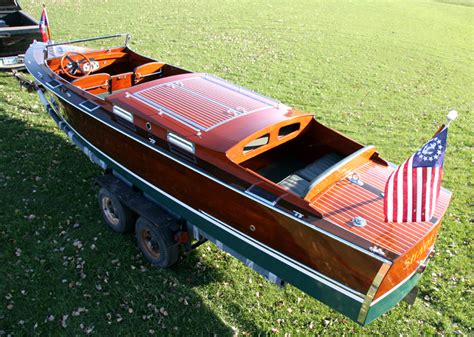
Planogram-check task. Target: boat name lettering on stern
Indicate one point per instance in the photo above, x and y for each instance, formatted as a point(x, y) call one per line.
point(417, 255)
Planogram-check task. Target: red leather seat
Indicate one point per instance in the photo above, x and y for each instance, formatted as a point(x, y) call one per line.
point(95, 83)
point(146, 70)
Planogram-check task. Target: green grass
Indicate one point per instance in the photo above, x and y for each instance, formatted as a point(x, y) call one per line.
point(384, 74)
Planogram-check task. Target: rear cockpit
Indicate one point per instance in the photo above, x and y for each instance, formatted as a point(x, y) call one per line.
point(296, 164)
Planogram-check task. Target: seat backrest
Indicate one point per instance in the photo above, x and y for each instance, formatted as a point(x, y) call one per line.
point(146, 70)
point(94, 84)
point(121, 81)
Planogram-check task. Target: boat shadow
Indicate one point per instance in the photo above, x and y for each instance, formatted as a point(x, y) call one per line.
point(49, 194)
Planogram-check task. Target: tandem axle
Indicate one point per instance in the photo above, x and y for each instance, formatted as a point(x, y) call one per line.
point(159, 231)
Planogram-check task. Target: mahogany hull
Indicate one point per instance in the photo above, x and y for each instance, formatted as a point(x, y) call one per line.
point(339, 260)
point(324, 254)
point(337, 296)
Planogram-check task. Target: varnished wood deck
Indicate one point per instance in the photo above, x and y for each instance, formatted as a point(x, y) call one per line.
point(345, 201)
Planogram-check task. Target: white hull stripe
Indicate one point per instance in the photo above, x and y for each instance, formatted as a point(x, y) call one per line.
point(393, 289)
point(401, 283)
point(289, 261)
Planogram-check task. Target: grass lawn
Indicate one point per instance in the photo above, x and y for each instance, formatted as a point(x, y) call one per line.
point(384, 74)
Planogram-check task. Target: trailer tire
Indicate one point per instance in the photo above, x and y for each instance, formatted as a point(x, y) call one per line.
point(156, 243)
point(116, 215)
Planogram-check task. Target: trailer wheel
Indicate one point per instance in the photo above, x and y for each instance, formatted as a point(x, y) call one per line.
point(116, 215)
point(156, 243)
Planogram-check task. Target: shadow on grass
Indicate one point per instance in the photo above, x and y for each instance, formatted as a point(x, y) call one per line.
point(57, 256)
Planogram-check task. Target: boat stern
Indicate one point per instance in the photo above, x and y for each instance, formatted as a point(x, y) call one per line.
point(355, 204)
point(401, 278)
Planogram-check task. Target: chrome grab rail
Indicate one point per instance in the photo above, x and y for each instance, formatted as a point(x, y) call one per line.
point(126, 35)
point(127, 39)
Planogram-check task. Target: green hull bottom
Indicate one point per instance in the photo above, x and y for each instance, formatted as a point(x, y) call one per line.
point(389, 301)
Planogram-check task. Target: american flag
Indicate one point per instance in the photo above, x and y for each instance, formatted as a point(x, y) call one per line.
point(412, 190)
point(44, 26)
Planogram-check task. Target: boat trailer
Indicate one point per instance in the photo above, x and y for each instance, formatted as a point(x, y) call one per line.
point(159, 231)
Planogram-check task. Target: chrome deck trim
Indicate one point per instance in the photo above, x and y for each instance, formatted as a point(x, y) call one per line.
point(364, 310)
point(425, 260)
point(225, 115)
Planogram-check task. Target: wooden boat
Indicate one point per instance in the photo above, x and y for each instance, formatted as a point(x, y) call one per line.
point(17, 32)
point(271, 183)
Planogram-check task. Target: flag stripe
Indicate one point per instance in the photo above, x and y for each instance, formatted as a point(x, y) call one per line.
point(400, 198)
point(419, 192)
point(434, 190)
point(44, 26)
point(414, 194)
point(409, 189)
point(428, 194)
point(413, 188)
point(438, 189)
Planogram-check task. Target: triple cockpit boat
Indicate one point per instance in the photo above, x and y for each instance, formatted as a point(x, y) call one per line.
point(303, 200)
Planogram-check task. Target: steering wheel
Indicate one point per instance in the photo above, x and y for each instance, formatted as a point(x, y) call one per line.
point(74, 65)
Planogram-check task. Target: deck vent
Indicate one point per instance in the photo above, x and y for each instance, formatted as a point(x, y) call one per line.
point(181, 143)
point(88, 105)
point(122, 113)
point(355, 179)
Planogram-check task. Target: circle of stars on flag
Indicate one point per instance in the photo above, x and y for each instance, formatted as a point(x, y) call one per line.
point(431, 151)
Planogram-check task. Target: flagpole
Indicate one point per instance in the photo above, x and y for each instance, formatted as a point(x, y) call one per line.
point(47, 22)
point(452, 115)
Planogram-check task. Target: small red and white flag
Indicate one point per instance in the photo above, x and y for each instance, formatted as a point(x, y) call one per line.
point(44, 28)
point(412, 190)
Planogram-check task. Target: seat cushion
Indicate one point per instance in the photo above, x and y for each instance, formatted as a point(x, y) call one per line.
point(296, 184)
point(147, 69)
point(316, 168)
